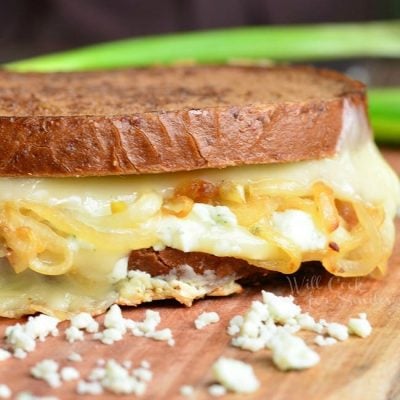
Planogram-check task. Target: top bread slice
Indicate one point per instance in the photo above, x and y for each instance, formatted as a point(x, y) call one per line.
point(169, 119)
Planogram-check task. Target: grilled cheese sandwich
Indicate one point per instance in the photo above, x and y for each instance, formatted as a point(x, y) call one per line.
point(66, 241)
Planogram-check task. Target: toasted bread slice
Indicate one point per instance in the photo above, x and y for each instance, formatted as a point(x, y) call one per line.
point(168, 119)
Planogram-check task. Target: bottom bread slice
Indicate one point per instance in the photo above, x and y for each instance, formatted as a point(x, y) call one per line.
point(171, 273)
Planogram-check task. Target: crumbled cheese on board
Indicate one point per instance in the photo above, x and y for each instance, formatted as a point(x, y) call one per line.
point(115, 320)
point(75, 357)
point(324, 341)
point(235, 375)
point(30, 396)
point(273, 322)
point(217, 390)
point(90, 388)
point(69, 374)
point(18, 338)
point(4, 355)
point(21, 338)
point(337, 331)
point(281, 308)
point(5, 391)
point(117, 326)
point(73, 334)
point(85, 321)
point(205, 319)
point(186, 390)
point(47, 370)
point(291, 352)
point(307, 322)
point(117, 378)
point(97, 373)
point(109, 336)
point(20, 354)
point(144, 374)
point(234, 325)
point(360, 326)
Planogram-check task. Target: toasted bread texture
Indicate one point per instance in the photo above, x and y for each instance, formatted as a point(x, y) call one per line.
point(168, 119)
point(162, 262)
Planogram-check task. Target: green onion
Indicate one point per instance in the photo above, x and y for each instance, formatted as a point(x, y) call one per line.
point(277, 43)
point(384, 108)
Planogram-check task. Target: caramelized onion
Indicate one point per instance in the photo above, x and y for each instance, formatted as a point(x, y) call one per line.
point(199, 190)
point(36, 236)
point(327, 214)
point(28, 239)
point(180, 206)
point(62, 220)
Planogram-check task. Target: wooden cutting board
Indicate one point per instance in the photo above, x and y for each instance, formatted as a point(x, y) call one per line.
point(356, 369)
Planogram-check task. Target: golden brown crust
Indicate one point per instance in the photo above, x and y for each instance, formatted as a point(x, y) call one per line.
point(167, 120)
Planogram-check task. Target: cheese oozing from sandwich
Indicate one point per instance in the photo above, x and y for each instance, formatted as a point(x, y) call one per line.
point(66, 241)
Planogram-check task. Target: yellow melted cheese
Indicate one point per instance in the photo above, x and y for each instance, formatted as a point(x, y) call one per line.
point(356, 173)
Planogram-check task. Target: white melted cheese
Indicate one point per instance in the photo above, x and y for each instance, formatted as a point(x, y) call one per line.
point(209, 229)
point(215, 230)
point(300, 228)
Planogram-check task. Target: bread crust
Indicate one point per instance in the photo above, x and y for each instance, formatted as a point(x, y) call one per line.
point(161, 263)
point(182, 139)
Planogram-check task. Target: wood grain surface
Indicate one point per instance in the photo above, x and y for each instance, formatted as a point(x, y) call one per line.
point(356, 369)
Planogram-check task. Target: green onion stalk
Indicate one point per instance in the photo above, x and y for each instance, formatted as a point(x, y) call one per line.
point(278, 43)
point(384, 109)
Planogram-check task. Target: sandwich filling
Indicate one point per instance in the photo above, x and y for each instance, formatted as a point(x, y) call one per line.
point(65, 242)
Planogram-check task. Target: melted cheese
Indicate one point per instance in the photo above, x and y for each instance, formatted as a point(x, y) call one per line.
point(349, 174)
point(212, 230)
point(300, 228)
